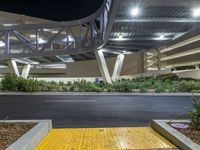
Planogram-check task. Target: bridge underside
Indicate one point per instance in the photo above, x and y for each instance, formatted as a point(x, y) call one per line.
point(164, 35)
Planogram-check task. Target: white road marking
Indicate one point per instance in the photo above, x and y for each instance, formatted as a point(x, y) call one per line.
point(70, 101)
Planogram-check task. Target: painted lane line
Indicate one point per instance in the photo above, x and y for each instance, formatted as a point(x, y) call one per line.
point(70, 101)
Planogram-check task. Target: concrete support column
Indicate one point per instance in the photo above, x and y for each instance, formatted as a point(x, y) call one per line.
point(25, 71)
point(158, 56)
point(12, 65)
point(196, 66)
point(118, 67)
point(103, 66)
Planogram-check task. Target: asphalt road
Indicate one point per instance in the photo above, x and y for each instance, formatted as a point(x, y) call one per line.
point(95, 111)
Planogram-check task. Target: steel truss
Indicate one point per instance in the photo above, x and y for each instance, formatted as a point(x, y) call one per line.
point(50, 39)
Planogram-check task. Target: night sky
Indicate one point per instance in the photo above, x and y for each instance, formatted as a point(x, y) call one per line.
point(57, 10)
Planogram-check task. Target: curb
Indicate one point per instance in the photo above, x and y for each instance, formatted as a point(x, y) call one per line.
point(98, 94)
point(173, 135)
point(33, 137)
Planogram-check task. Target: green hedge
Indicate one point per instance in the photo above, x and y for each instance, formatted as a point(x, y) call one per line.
point(164, 83)
point(195, 114)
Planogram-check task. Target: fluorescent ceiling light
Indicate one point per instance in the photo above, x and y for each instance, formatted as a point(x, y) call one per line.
point(41, 41)
point(2, 44)
point(32, 35)
point(9, 25)
point(135, 12)
point(161, 37)
point(69, 38)
point(51, 30)
point(196, 12)
point(120, 37)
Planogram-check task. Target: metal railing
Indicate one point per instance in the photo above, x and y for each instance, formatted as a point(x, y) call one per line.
point(49, 39)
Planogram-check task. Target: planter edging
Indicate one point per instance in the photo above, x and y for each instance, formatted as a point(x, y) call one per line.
point(173, 135)
point(31, 138)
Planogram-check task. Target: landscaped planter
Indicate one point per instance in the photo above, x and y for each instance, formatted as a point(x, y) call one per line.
point(180, 140)
point(30, 133)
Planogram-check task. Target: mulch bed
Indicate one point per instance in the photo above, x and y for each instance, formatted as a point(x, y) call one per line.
point(10, 132)
point(191, 133)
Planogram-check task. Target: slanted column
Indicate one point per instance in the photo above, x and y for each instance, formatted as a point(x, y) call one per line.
point(103, 66)
point(118, 66)
point(158, 59)
point(196, 66)
point(25, 71)
point(12, 65)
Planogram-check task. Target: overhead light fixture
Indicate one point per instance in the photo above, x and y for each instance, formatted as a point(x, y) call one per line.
point(120, 37)
point(135, 12)
point(54, 31)
point(68, 38)
point(32, 35)
point(161, 37)
point(196, 12)
point(41, 41)
point(51, 30)
point(2, 44)
point(9, 25)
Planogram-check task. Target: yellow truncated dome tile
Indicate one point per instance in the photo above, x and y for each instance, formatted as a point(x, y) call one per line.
point(104, 139)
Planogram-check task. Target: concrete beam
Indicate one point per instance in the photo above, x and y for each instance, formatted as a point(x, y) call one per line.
point(103, 66)
point(149, 20)
point(181, 54)
point(171, 3)
point(118, 67)
point(180, 44)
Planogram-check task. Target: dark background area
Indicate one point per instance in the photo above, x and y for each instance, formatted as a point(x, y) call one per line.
point(59, 10)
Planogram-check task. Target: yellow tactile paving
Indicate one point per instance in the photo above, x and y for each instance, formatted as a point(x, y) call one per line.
point(104, 139)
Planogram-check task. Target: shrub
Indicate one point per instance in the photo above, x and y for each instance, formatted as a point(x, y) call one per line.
point(102, 84)
point(29, 85)
point(123, 86)
point(188, 86)
point(52, 87)
point(195, 114)
point(14, 83)
point(10, 82)
point(69, 83)
point(61, 83)
point(143, 90)
point(109, 89)
point(42, 85)
point(66, 88)
point(1, 86)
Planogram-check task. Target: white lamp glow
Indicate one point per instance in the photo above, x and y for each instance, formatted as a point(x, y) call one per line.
point(135, 12)
point(196, 12)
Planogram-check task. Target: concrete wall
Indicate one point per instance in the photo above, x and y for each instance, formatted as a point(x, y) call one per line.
point(133, 64)
point(188, 74)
